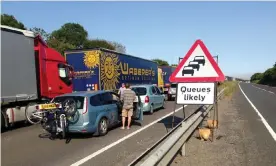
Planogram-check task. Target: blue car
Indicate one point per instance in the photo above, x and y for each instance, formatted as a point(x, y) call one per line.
point(97, 111)
point(151, 96)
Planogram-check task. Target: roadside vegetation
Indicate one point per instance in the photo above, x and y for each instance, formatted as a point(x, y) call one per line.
point(266, 78)
point(230, 86)
point(70, 36)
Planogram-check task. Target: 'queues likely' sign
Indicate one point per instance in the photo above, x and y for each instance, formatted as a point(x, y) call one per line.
point(195, 93)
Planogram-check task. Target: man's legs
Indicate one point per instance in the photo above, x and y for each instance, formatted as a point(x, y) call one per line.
point(130, 113)
point(124, 115)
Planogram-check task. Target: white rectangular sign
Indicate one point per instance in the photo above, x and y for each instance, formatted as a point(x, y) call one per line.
point(195, 93)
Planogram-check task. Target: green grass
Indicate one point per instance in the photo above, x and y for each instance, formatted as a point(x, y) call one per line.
point(230, 86)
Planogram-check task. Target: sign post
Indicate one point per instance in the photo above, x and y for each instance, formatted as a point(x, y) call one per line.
point(197, 75)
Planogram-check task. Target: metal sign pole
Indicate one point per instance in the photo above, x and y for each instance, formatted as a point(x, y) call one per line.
point(216, 103)
point(183, 108)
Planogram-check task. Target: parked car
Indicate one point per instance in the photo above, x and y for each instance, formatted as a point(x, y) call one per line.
point(151, 97)
point(98, 111)
point(172, 92)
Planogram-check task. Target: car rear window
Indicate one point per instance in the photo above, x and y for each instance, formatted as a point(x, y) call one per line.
point(140, 90)
point(173, 85)
point(78, 99)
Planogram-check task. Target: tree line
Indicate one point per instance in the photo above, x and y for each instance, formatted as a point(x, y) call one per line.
point(70, 36)
point(266, 78)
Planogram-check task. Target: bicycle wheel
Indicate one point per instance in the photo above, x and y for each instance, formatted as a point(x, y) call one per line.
point(72, 119)
point(70, 106)
point(33, 115)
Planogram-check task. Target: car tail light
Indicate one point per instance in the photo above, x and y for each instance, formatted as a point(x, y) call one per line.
point(86, 105)
point(147, 99)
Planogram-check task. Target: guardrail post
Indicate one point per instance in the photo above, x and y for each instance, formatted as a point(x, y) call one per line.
point(183, 148)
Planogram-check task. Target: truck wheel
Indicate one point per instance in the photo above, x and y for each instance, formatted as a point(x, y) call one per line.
point(29, 111)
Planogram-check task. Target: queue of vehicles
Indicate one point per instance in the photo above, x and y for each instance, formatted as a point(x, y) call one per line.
point(33, 73)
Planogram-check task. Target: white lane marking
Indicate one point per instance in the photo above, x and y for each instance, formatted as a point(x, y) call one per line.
point(263, 89)
point(121, 140)
point(268, 127)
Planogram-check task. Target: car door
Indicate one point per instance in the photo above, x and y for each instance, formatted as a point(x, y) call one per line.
point(154, 97)
point(159, 97)
point(97, 106)
point(111, 108)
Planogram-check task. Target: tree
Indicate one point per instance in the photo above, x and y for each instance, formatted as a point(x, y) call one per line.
point(119, 47)
point(59, 45)
point(256, 77)
point(71, 33)
point(10, 20)
point(274, 64)
point(174, 65)
point(161, 62)
point(41, 32)
point(98, 43)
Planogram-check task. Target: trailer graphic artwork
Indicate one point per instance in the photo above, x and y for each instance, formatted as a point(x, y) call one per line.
point(96, 69)
point(91, 59)
point(109, 71)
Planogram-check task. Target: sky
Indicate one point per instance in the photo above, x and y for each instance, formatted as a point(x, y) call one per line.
point(242, 34)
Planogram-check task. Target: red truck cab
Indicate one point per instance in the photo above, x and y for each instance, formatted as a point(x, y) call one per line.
point(55, 75)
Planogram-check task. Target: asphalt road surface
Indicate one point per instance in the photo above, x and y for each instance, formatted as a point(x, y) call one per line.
point(23, 147)
point(246, 134)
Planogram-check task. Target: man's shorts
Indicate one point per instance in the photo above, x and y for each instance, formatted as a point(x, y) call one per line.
point(127, 113)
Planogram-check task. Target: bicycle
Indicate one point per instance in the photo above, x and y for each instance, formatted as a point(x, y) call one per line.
point(54, 117)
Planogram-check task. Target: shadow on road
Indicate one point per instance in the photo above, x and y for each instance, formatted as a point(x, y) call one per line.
point(17, 125)
point(71, 136)
point(168, 122)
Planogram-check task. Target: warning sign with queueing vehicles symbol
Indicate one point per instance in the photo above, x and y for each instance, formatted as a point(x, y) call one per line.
point(196, 75)
point(194, 65)
point(197, 65)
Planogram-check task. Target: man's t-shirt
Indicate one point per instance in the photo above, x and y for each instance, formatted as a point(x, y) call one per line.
point(121, 91)
point(128, 97)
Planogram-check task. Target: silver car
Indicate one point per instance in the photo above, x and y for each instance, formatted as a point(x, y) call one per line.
point(151, 97)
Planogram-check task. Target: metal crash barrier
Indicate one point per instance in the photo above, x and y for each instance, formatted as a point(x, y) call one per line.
point(162, 152)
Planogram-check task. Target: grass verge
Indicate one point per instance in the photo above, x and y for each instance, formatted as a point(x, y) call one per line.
point(230, 86)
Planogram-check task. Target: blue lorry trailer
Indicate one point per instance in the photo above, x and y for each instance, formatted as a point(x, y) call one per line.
point(103, 69)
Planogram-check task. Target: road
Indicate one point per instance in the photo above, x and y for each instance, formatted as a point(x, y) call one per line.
point(22, 146)
point(246, 135)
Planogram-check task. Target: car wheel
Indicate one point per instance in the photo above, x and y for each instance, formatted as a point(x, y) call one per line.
point(163, 105)
point(151, 109)
point(102, 127)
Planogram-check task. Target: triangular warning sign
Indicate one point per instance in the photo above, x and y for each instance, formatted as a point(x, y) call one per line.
point(198, 65)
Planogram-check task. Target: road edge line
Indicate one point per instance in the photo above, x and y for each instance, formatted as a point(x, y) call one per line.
point(268, 127)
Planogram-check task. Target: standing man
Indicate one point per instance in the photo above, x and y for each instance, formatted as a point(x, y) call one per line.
point(128, 97)
point(121, 90)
